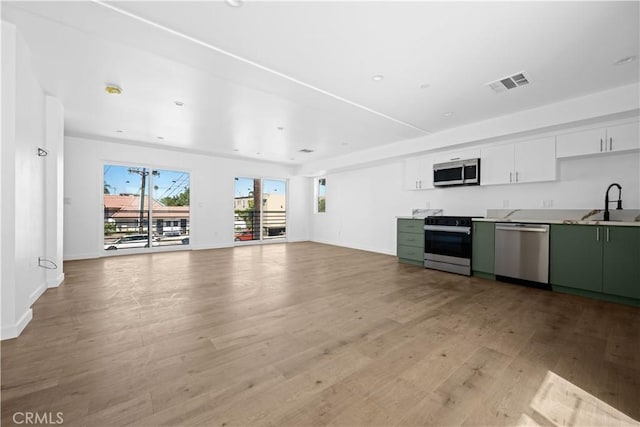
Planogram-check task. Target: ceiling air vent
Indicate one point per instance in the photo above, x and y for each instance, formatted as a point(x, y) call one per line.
point(510, 82)
point(306, 150)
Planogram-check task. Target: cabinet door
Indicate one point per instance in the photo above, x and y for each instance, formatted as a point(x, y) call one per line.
point(483, 244)
point(496, 165)
point(622, 261)
point(575, 256)
point(407, 225)
point(418, 173)
point(623, 137)
point(411, 239)
point(535, 160)
point(580, 143)
point(411, 173)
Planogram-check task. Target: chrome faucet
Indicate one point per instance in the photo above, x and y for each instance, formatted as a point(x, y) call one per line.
point(606, 200)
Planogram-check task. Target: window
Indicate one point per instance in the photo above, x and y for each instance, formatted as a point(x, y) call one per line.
point(321, 195)
point(135, 197)
point(260, 209)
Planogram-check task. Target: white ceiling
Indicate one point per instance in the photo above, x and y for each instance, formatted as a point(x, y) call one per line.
point(242, 72)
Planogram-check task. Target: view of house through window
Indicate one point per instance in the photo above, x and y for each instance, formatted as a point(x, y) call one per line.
point(260, 209)
point(135, 197)
point(321, 200)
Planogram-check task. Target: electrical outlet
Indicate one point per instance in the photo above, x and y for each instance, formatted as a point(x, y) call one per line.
point(547, 203)
point(505, 204)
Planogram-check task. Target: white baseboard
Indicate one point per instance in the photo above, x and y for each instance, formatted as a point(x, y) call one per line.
point(204, 247)
point(360, 248)
point(12, 331)
point(74, 257)
point(37, 293)
point(54, 283)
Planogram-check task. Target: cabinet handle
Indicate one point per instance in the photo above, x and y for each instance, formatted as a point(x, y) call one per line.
point(510, 176)
point(516, 176)
point(608, 235)
point(598, 234)
point(420, 184)
point(610, 144)
point(455, 158)
point(601, 145)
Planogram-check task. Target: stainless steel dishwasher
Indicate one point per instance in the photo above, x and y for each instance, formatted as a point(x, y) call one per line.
point(522, 252)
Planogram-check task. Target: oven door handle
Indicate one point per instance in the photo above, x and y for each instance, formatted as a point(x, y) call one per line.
point(448, 229)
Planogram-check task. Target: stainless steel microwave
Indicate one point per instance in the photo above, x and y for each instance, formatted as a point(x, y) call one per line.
point(458, 172)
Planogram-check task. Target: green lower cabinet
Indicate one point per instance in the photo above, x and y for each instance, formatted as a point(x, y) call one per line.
point(575, 256)
point(483, 248)
point(622, 261)
point(597, 261)
point(410, 241)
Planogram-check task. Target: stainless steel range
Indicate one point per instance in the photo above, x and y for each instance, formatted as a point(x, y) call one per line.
point(447, 244)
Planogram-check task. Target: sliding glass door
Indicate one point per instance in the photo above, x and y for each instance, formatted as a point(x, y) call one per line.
point(145, 207)
point(260, 209)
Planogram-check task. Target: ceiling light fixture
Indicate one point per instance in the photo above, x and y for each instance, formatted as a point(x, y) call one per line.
point(113, 89)
point(160, 137)
point(120, 131)
point(178, 103)
point(235, 3)
point(625, 60)
point(280, 128)
point(377, 78)
point(235, 149)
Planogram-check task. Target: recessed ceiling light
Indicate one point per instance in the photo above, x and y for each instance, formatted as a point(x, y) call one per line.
point(377, 78)
point(160, 137)
point(235, 149)
point(178, 103)
point(120, 131)
point(448, 114)
point(625, 60)
point(425, 85)
point(113, 89)
point(235, 3)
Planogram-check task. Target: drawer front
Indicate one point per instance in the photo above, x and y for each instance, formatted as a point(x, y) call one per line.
point(411, 225)
point(411, 239)
point(411, 252)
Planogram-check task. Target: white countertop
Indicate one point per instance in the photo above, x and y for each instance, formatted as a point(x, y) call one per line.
point(560, 221)
point(628, 217)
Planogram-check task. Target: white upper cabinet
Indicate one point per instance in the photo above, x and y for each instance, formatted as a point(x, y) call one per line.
point(623, 137)
point(496, 165)
point(418, 173)
point(452, 156)
point(535, 161)
point(530, 161)
point(595, 141)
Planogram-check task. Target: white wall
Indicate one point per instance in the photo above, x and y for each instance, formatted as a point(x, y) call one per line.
point(7, 187)
point(24, 199)
point(212, 192)
point(362, 204)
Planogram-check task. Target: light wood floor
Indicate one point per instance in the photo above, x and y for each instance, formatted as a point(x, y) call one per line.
point(309, 334)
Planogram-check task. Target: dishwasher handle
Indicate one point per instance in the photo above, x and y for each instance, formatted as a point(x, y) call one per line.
point(523, 227)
